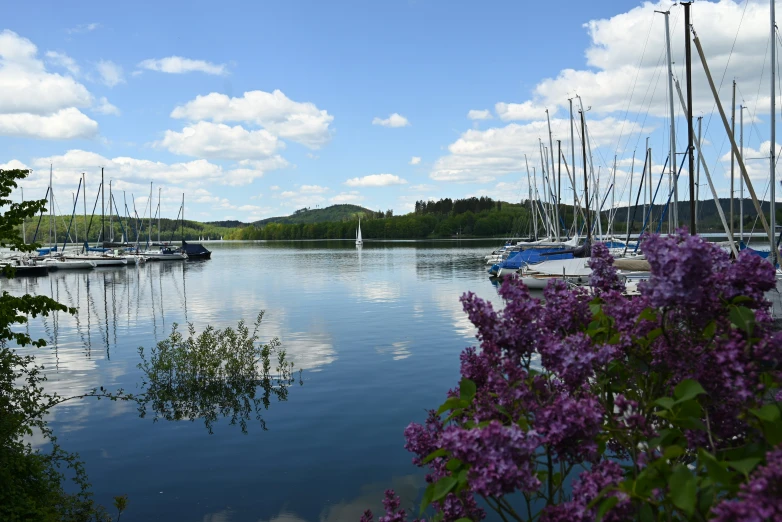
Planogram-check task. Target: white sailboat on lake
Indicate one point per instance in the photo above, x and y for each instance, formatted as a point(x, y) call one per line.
point(359, 241)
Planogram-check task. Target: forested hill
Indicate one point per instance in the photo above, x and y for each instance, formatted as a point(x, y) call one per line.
point(471, 217)
point(320, 215)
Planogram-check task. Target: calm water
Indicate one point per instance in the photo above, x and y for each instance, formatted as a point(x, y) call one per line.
point(377, 332)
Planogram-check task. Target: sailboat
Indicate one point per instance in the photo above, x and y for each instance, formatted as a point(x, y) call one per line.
point(359, 241)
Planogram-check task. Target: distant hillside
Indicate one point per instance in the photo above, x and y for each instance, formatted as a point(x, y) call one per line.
point(319, 215)
point(231, 223)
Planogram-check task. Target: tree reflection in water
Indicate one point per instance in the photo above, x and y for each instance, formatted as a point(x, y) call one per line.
point(217, 373)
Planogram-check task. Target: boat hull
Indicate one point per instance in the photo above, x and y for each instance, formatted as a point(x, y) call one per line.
point(31, 271)
point(69, 265)
point(100, 262)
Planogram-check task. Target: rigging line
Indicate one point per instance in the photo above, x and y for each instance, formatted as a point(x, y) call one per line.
point(658, 74)
point(635, 80)
point(730, 55)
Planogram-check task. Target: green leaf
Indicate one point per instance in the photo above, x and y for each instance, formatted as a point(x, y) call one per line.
point(665, 402)
point(710, 330)
point(464, 519)
point(672, 452)
point(453, 464)
point(717, 471)
point(427, 498)
point(646, 513)
point(433, 455)
point(451, 403)
point(683, 489)
point(442, 487)
point(687, 389)
point(744, 466)
point(743, 318)
point(768, 413)
point(740, 299)
point(605, 506)
point(467, 390)
point(648, 314)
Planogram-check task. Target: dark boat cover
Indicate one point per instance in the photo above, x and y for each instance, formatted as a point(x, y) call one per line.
point(195, 250)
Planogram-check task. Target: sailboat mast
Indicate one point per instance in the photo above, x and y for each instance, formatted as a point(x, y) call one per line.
point(773, 221)
point(84, 183)
point(158, 213)
point(531, 203)
point(690, 137)
point(732, 154)
point(24, 234)
point(103, 208)
point(51, 203)
point(586, 182)
point(630, 198)
point(573, 164)
point(613, 194)
point(672, 162)
point(149, 228)
point(559, 179)
point(698, 171)
point(556, 195)
point(741, 178)
point(111, 224)
point(183, 216)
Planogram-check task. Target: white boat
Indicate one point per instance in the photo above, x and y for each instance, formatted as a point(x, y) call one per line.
point(100, 260)
point(58, 263)
point(359, 241)
point(575, 270)
point(164, 254)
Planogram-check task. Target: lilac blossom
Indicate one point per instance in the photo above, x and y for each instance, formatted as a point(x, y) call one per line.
point(603, 277)
point(760, 499)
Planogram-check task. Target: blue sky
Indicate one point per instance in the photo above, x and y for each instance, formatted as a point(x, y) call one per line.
point(157, 92)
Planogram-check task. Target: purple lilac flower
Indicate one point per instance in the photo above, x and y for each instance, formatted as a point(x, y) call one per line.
point(500, 457)
point(760, 499)
point(569, 425)
point(590, 483)
point(603, 277)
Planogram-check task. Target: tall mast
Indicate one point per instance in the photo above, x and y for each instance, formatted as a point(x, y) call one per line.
point(103, 208)
point(773, 221)
point(183, 216)
point(51, 204)
point(698, 171)
point(586, 182)
point(84, 184)
point(149, 229)
point(556, 195)
point(642, 187)
point(690, 137)
point(24, 234)
point(158, 214)
point(630, 198)
point(732, 154)
point(613, 193)
point(741, 178)
point(559, 179)
point(111, 225)
point(672, 162)
point(573, 164)
point(531, 205)
point(651, 186)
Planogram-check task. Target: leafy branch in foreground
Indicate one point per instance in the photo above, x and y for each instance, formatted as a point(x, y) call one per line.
point(217, 373)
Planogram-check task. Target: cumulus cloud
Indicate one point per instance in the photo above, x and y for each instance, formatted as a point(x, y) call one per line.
point(58, 59)
point(36, 103)
point(519, 111)
point(313, 189)
point(483, 156)
point(475, 114)
point(180, 65)
point(70, 165)
point(394, 120)
point(415, 160)
point(110, 73)
point(83, 28)
point(301, 122)
point(346, 197)
point(216, 140)
point(13, 165)
point(375, 180)
point(62, 125)
point(104, 107)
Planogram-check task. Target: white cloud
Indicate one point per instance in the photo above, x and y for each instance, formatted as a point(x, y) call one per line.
point(104, 107)
point(475, 114)
point(180, 65)
point(110, 73)
point(313, 189)
point(274, 187)
point(394, 120)
point(519, 111)
point(62, 60)
point(62, 125)
point(13, 165)
point(297, 121)
point(415, 160)
point(83, 28)
point(346, 197)
point(69, 166)
point(36, 103)
point(216, 140)
point(288, 194)
point(375, 180)
point(483, 156)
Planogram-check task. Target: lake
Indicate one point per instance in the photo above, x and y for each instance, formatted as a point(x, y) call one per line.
point(377, 333)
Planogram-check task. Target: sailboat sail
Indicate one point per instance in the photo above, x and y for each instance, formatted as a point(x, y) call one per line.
point(359, 241)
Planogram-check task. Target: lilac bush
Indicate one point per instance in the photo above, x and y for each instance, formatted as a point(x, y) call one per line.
point(593, 405)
